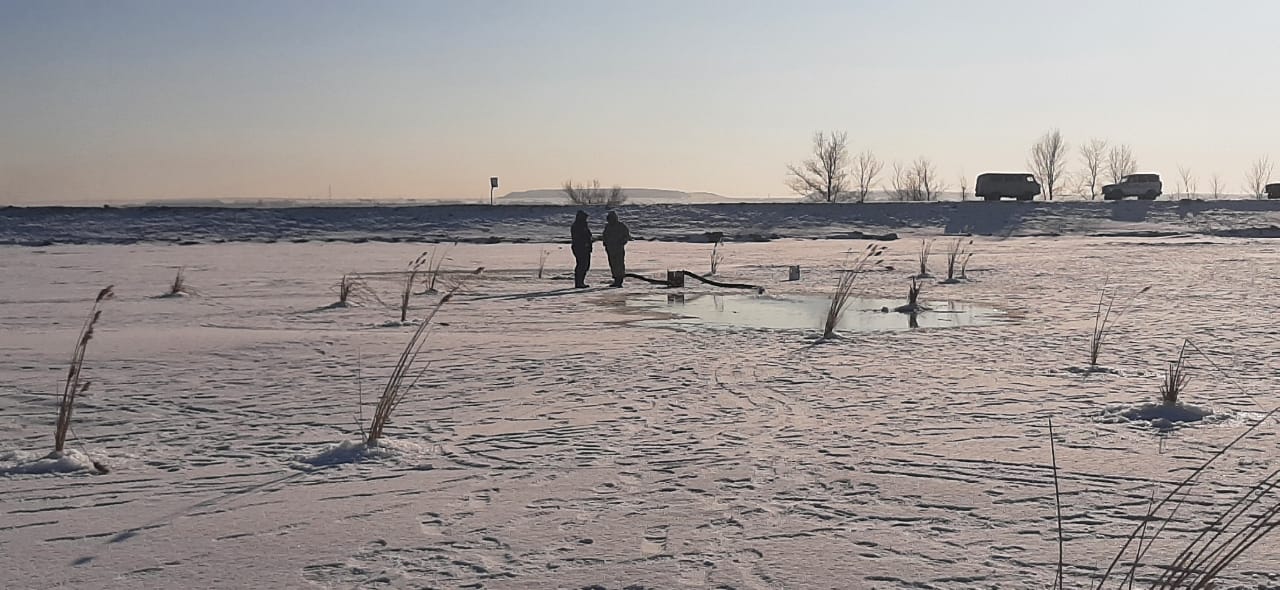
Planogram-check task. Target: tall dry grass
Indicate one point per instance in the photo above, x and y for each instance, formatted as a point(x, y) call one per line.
point(913, 294)
point(405, 373)
point(1175, 378)
point(958, 255)
point(178, 287)
point(1234, 530)
point(542, 260)
point(1057, 504)
point(411, 278)
point(432, 268)
point(1252, 517)
point(913, 305)
point(1105, 316)
point(716, 257)
point(922, 259)
point(870, 257)
point(75, 385)
point(352, 289)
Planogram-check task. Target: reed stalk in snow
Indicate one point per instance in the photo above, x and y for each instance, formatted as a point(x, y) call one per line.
point(1254, 515)
point(870, 257)
point(958, 255)
point(75, 385)
point(432, 269)
point(922, 259)
point(542, 261)
point(405, 374)
point(1105, 316)
point(716, 257)
point(352, 289)
point(1057, 503)
point(1175, 378)
point(411, 278)
point(179, 287)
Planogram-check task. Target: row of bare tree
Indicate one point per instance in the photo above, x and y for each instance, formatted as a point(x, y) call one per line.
point(831, 175)
point(1099, 162)
point(593, 194)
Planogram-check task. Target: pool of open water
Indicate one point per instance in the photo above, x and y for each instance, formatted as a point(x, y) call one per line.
point(808, 312)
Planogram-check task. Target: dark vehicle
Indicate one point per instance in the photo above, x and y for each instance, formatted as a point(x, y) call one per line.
point(994, 186)
point(1273, 190)
point(1144, 186)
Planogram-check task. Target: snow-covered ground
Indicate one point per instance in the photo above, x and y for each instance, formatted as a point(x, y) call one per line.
point(559, 440)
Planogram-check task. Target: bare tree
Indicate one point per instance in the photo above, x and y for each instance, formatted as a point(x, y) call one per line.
point(917, 181)
point(1092, 155)
point(1120, 163)
point(592, 194)
point(964, 186)
point(1049, 161)
point(1256, 179)
point(1215, 185)
point(825, 176)
point(932, 184)
point(1187, 183)
point(903, 186)
point(866, 168)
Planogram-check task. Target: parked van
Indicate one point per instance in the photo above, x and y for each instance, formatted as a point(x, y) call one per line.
point(1273, 190)
point(1144, 186)
point(992, 186)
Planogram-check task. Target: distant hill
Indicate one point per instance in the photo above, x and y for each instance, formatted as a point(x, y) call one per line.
point(636, 196)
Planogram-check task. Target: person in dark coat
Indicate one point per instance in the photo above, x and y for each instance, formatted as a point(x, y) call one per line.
point(615, 238)
point(581, 246)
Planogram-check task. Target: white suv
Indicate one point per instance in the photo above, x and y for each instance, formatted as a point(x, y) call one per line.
point(1143, 186)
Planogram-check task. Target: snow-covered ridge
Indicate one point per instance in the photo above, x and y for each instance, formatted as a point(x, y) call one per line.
point(635, 196)
point(39, 226)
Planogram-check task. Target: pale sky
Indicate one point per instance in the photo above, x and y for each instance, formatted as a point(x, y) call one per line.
point(139, 100)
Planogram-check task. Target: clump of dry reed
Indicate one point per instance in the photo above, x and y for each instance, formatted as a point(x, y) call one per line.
point(352, 289)
point(1105, 316)
point(922, 259)
point(75, 384)
point(871, 256)
point(403, 376)
point(716, 257)
point(958, 255)
point(179, 287)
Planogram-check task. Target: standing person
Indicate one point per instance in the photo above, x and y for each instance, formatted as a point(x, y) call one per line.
point(581, 240)
point(615, 238)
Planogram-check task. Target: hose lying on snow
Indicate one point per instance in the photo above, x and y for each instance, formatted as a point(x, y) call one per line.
point(757, 288)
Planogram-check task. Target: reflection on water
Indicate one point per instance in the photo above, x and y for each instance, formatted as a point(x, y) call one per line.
point(807, 312)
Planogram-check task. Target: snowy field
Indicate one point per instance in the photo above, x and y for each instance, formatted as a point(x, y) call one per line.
point(569, 439)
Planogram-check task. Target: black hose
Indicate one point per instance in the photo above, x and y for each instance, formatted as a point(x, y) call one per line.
point(686, 273)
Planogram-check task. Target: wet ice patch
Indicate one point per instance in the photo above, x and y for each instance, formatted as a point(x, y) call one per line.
point(807, 312)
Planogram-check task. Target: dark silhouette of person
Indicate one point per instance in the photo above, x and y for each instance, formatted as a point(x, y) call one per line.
point(615, 238)
point(581, 240)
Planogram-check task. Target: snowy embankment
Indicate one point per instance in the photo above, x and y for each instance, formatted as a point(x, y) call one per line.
point(738, 222)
